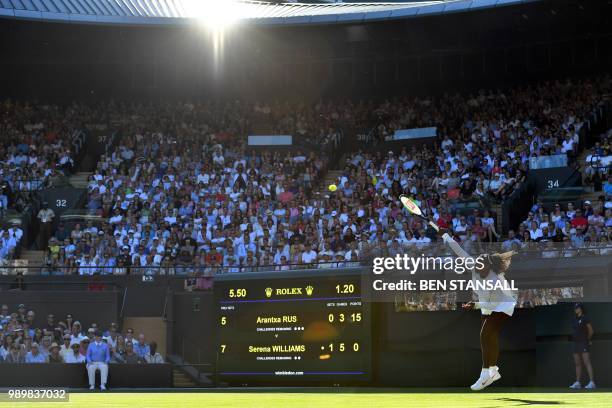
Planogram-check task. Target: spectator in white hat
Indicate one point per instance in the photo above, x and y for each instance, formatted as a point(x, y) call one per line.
point(74, 356)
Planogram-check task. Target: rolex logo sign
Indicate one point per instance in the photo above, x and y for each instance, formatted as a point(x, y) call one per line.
point(309, 290)
point(268, 292)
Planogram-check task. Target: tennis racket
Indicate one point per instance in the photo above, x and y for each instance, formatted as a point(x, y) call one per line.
point(414, 209)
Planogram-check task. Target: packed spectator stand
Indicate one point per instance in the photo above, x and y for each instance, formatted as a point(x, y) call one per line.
point(585, 228)
point(25, 339)
point(39, 142)
point(179, 191)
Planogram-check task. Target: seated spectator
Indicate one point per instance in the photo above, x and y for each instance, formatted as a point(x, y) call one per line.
point(110, 336)
point(118, 352)
point(45, 346)
point(34, 355)
point(85, 341)
point(153, 357)
point(75, 356)
point(4, 314)
point(511, 242)
point(65, 347)
point(129, 337)
point(97, 358)
point(15, 355)
point(140, 347)
point(607, 187)
point(54, 354)
point(76, 334)
point(130, 356)
point(6, 342)
point(579, 221)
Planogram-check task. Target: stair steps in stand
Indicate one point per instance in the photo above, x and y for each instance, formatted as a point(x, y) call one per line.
point(80, 179)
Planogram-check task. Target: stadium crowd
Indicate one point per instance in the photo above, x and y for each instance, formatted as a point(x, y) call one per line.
point(579, 229)
point(582, 228)
point(38, 141)
point(182, 195)
point(488, 138)
point(10, 239)
point(314, 125)
point(24, 339)
point(596, 166)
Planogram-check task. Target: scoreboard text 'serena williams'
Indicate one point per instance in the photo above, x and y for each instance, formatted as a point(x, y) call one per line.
point(291, 330)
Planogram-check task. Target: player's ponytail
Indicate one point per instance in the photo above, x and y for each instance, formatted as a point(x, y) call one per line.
point(500, 262)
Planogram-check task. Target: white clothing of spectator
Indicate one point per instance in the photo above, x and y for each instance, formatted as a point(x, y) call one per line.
point(74, 356)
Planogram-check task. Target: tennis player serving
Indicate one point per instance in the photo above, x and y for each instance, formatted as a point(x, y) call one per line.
point(496, 305)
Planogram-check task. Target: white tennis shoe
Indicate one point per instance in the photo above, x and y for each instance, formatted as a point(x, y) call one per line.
point(494, 374)
point(482, 381)
point(487, 377)
point(576, 386)
point(590, 386)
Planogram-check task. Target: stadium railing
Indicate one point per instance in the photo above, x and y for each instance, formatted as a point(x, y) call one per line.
point(532, 250)
point(542, 249)
point(547, 162)
point(28, 184)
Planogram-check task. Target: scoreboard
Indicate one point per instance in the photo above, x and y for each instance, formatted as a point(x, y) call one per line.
point(281, 328)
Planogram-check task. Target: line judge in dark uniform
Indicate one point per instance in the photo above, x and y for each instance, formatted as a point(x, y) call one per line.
point(581, 337)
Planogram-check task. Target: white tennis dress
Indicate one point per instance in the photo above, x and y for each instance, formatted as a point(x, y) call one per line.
point(489, 301)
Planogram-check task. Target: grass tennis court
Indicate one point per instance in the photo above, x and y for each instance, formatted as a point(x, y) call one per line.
point(329, 399)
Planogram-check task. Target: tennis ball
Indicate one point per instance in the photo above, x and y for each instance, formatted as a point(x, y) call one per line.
point(332, 187)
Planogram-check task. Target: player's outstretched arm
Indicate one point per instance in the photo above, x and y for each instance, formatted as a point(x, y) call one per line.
point(455, 246)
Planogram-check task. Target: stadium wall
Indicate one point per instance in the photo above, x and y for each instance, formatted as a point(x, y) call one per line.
point(75, 376)
point(442, 349)
point(422, 56)
point(555, 366)
point(62, 199)
point(137, 295)
point(193, 330)
point(409, 348)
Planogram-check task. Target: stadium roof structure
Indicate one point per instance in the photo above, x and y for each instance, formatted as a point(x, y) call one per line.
point(177, 12)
